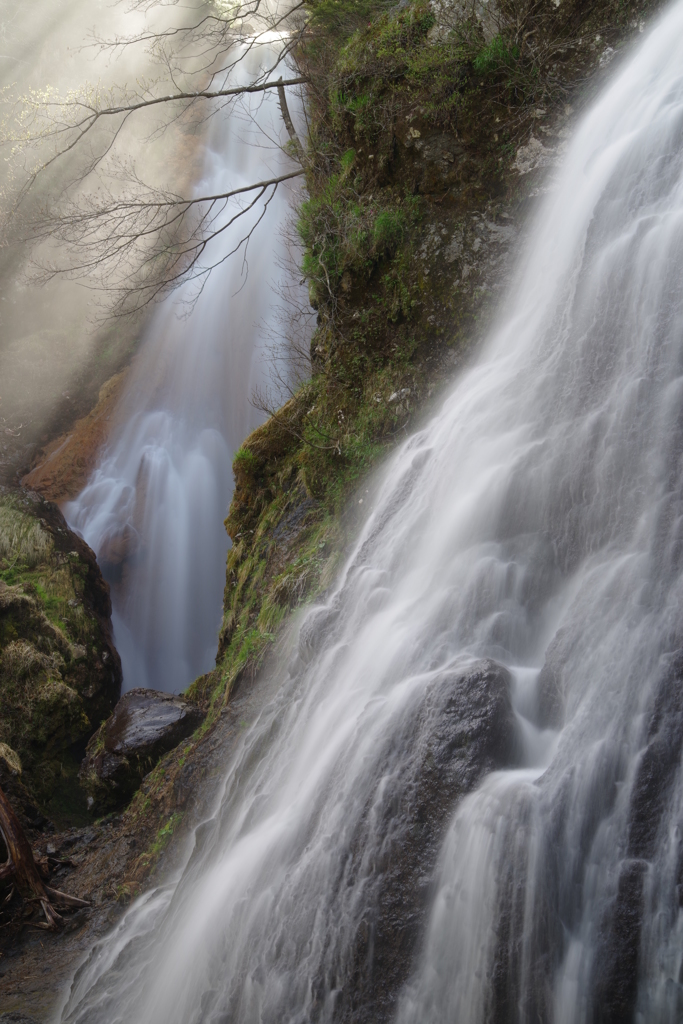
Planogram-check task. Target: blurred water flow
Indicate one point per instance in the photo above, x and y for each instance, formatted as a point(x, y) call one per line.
point(537, 518)
point(153, 511)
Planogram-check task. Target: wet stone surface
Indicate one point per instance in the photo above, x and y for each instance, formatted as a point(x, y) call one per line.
point(144, 725)
point(462, 727)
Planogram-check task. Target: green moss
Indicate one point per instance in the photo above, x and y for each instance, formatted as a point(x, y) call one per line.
point(244, 461)
point(53, 675)
point(387, 63)
point(160, 841)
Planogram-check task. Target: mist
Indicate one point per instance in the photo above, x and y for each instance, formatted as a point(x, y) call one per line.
point(57, 345)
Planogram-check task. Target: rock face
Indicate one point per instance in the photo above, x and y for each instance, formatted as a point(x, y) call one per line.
point(551, 685)
point(144, 726)
point(616, 962)
point(67, 462)
point(463, 728)
point(60, 674)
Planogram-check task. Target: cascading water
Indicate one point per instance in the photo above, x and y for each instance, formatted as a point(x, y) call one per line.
point(153, 511)
point(508, 627)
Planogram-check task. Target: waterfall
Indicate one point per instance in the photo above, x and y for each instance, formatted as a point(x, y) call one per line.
point(462, 799)
point(153, 510)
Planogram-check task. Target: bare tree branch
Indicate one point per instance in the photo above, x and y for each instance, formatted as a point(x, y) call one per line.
point(241, 90)
point(141, 231)
point(123, 235)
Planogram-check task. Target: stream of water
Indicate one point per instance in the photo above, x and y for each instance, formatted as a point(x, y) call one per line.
point(153, 510)
point(536, 521)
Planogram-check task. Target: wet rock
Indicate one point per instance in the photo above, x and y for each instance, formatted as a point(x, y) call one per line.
point(314, 631)
point(551, 698)
point(435, 159)
point(615, 986)
point(439, 148)
point(186, 784)
point(117, 547)
point(60, 674)
point(14, 1017)
point(295, 520)
point(616, 970)
point(659, 761)
point(442, 150)
point(462, 728)
point(145, 725)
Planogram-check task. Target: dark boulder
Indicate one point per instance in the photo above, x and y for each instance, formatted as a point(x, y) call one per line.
point(462, 727)
point(144, 726)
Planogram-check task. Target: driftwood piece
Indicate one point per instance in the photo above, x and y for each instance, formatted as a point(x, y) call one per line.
point(22, 870)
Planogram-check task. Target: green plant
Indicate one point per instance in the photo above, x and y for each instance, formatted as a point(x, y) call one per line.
point(161, 839)
point(244, 461)
point(389, 230)
point(498, 54)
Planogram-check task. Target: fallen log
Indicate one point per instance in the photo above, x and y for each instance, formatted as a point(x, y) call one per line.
point(21, 869)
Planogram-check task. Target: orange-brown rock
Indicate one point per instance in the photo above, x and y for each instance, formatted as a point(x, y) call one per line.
point(67, 462)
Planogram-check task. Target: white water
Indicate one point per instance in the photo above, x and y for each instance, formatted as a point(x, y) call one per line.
point(153, 510)
point(542, 504)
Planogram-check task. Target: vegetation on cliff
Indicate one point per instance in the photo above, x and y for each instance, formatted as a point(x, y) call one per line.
point(420, 117)
point(60, 674)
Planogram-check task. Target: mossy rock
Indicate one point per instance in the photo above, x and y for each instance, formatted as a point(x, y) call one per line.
point(60, 674)
point(254, 463)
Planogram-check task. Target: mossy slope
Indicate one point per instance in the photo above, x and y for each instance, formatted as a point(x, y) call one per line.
point(60, 674)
